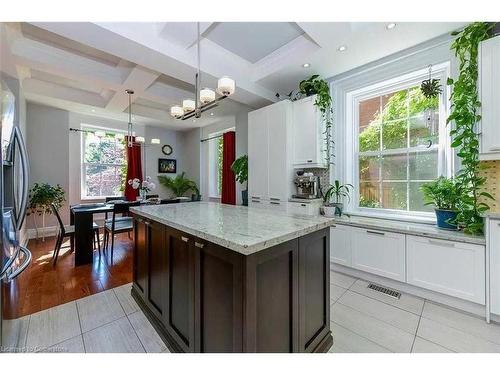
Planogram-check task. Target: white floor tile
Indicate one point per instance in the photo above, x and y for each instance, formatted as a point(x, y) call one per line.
point(125, 298)
point(345, 341)
point(397, 317)
point(339, 279)
point(454, 339)
point(150, 340)
point(423, 346)
point(99, 309)
point(14, 334)
point(462, 321)
point(381, 333)
point(406, 302)
point(115, 337)
point(51, 326)
point(335, 292)
point(74, 345)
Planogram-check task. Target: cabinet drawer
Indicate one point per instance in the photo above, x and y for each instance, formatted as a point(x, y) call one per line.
point(340, 245)
point(303, 208)
point(448, 267)
point(494, 250)
point(378, 252)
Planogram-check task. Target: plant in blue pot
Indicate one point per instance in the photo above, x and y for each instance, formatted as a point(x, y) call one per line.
point(444, 194)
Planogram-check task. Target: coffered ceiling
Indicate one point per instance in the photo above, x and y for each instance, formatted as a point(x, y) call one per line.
point(86, 67)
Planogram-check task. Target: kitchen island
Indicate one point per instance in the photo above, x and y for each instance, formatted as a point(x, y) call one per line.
point(220, 278)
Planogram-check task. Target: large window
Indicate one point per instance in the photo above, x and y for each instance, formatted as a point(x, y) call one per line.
point(104, 166)
point(400, 142)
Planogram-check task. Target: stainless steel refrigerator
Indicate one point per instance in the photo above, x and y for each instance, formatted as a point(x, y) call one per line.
point(14, 168)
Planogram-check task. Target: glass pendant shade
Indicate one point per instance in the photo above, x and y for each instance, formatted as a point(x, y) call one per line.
point(176, 111)
point(226, 86)
point(207, 95)
point(155, 141)
point(140, 139)
point(188, 105)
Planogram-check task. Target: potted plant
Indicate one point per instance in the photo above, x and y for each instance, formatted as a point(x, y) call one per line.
point(180, 185)
point(444, 194)
point(41, 197)
point(144, 187)
point(240, 169)
point(339, 192)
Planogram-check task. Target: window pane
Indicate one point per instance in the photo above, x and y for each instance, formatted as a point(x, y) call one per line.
point(106, 150)
point(417, 199)
point(424, 165)
point(422, 130)
point(395, 106)
point(369, 194)
point(101, 180)
point(369, 168)
point(394, 134)
point(394, 167)
point(418, 103)
point(369, 125)
point(394, 195)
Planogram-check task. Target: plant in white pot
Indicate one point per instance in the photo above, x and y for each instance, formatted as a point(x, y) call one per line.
point(340, 192)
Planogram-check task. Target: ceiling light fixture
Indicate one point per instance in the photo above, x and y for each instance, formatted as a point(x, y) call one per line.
point(342, 48)
point(130, 127)
point(205, 98)
point(390, 26)
point(306, 65)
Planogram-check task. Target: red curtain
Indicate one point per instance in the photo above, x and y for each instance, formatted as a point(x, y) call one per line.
point(134, 169)
point(228, 195)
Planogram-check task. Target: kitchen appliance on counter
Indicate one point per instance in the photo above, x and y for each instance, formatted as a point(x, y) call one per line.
point(14, 169)
point(307, 185)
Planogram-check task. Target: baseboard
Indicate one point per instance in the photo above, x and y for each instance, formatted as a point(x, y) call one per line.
point(453, 302)
point(42, 232)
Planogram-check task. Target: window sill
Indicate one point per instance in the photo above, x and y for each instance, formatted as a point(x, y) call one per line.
point(424, 219)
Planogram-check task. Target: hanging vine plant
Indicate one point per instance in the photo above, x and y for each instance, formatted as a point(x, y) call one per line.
point(431, 88)
point(465, 104)
point(319, 87)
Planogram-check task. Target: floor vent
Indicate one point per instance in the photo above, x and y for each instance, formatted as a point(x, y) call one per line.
point(391, 293)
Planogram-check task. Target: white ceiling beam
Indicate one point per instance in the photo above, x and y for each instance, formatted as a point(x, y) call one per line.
point(183, 34)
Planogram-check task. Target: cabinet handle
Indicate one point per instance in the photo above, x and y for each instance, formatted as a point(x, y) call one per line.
point(277, 203)
point(373, 232)
point(185, 239)
point(310, 161)
point(274, 199)
point(303, 204)
point(254, 201)
point(200, 245)
point(442, 243)
point(255, 197)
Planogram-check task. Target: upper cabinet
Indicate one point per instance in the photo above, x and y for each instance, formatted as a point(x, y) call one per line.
point(489, 83)
point(270, 171)
point(308, 135)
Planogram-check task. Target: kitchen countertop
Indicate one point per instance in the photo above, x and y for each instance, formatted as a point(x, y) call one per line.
point(245, 230)
point(425, 230)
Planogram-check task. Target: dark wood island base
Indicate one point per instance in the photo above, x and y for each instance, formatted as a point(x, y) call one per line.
point(204, 298)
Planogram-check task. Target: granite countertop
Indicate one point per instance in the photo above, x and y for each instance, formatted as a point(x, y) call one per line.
point(245, 230)
point(425, 230)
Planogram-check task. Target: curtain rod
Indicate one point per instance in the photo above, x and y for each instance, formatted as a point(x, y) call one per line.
point(215, 136)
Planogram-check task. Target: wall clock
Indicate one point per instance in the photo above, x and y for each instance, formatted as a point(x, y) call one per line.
point(167, 150)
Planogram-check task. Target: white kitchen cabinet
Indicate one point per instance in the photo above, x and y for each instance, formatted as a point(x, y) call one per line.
point(340, 245)
point(489, 83)
point(270, 171)
point(453, 268)
point(308, 137)
point(378, 252)
point(493, 243)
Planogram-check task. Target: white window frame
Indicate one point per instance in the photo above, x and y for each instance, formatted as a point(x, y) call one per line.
point(212, 163)
point(445, 154)
point(83, 164)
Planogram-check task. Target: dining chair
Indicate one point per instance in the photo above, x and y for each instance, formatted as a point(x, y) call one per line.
point(111, 199)
point(117, 224)
point(149, 196)
point(69, 231)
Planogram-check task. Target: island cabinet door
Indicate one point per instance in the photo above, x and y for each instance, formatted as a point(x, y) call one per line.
point(140, 257)
point(218, 299)
point(156, 263)
point(314, 291)
point(180, 290)
point(271, 314)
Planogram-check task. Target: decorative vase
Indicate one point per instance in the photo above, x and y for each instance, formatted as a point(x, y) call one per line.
point(444, 217)
point(244, 197)
point(143, 194)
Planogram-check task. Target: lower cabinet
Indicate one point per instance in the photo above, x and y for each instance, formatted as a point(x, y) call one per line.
point(340, 245)
point(378, 252)
point(453, 268)
point(494, 251)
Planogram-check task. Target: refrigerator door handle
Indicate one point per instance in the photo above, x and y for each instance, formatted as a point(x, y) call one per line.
point(20, 211)
point(9, 276)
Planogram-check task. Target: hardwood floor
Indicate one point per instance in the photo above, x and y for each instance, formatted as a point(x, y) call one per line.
point(43, 286)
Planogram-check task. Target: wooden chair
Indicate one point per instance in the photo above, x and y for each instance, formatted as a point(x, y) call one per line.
point(117, 224)
point(69, 231)
point(110, 199)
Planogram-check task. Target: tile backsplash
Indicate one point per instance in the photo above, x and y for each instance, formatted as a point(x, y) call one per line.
point(492, 185)
point(324, 176)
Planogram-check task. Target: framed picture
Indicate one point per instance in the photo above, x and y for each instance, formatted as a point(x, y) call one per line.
point(167, 166)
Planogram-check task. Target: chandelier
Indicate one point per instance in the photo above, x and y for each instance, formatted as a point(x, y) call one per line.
point(130, 130)
point(205, 98)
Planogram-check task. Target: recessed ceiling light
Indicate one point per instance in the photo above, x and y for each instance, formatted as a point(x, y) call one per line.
point(306, 65)
point(390, 26)
point(342, 48)
point(93, 110)
point(211, 113)
point(194, 120)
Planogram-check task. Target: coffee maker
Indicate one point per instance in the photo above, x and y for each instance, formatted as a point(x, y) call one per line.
point(307, 186)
